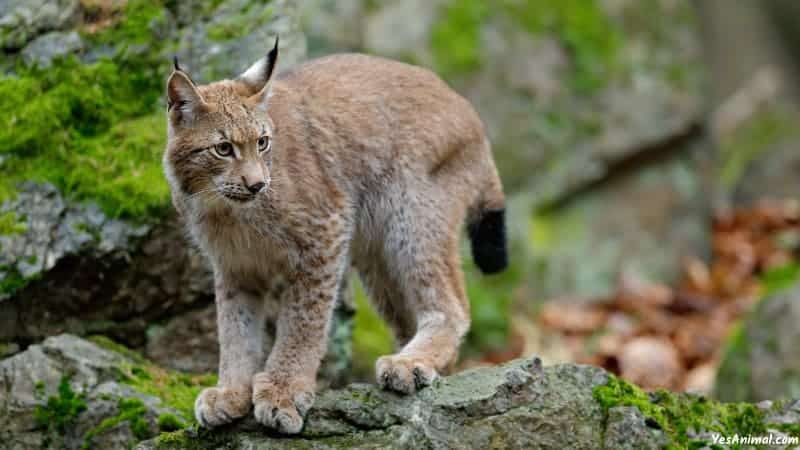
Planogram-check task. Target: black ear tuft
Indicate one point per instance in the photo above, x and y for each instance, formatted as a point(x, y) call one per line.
point(175, 63)
point(272, 59)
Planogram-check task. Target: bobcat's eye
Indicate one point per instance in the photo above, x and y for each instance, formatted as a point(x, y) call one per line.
point(224, 149)
point(264, 144)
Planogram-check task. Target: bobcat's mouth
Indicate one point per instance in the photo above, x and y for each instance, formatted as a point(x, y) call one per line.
point(239, 198)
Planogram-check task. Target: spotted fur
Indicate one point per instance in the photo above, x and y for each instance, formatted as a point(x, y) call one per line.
point(373, 164)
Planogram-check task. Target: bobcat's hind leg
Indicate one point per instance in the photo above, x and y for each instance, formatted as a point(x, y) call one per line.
point(424, 256)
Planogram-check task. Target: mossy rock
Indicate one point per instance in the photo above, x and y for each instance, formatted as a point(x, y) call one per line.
point(518, 405)
point(762, 361)
point(72, 393)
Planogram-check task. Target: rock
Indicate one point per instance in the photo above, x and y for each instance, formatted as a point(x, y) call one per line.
point(754, 99)
point(400, 28)
point(72, 393)
point(623, 224)
point(518, 405)
point(762, 360)
point(236, 34)
point(57, 44)
point(333, 25)
point(22, 20)
point(701, 379)
point(84, 272)
point(627, 429)
point(65, 393)
point(188, 342)
point(650, 362)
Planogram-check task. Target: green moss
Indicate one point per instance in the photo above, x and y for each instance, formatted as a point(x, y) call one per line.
point(455, 39)
point(61, 410)
point(195, 438)
point(582, 26)
point(110, 345)
point(176, 390)
point(752, 139)
point(10, 223)
point(12, 281)
point(779, 278)
point(39, 388)
point(131, 410)
point(170, 422)
point(92, 129)
point(138, 22)
point(682, 415)
point(240, 24)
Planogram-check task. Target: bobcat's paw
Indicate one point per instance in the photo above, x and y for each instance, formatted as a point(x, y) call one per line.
point(404, 374)
point(219, 405)
point(281, 406)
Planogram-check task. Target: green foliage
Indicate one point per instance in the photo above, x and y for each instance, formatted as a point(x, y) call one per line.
point(455, 39)
point(139, 21)
point(681, 414)
point(10, 224)
point(490, 299)
point(61, 410)
point(91, 129)
point(371, 337)
point(169, 422)
point(780, 278)
point(12, 280)
point(131, 410)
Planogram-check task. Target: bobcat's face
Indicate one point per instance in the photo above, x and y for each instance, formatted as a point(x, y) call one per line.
point(220, 137)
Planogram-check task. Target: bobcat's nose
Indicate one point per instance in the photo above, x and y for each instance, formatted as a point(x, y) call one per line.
point(255, 188)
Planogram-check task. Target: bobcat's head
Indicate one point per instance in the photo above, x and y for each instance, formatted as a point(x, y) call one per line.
point(220, 136)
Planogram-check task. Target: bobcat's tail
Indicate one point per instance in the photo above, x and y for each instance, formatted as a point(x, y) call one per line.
point(487, 228)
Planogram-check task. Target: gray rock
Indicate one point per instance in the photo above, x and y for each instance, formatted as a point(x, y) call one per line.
point(641, 222)
point(22, 20)
point(333, 25)
point(89, 273)
point(29, 380)
point(628, 429)
point(57, 44)
point(399, 29)
point(188, 342)
point(237, 34)
point(519, 405)
point(514, 406)
point(762, 362)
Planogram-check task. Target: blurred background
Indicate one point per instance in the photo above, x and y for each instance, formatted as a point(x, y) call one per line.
point(648, 149)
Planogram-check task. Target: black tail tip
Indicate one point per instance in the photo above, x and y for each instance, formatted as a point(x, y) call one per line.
point(488, 237)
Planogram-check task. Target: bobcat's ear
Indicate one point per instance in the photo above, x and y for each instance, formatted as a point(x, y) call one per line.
point(184, 102)
point(257, 77)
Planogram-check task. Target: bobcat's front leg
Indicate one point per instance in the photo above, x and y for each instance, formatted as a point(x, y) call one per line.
point(240, 325)
point(284, 391)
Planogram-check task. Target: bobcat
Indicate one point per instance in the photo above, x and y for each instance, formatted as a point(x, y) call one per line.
point(285, 183)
